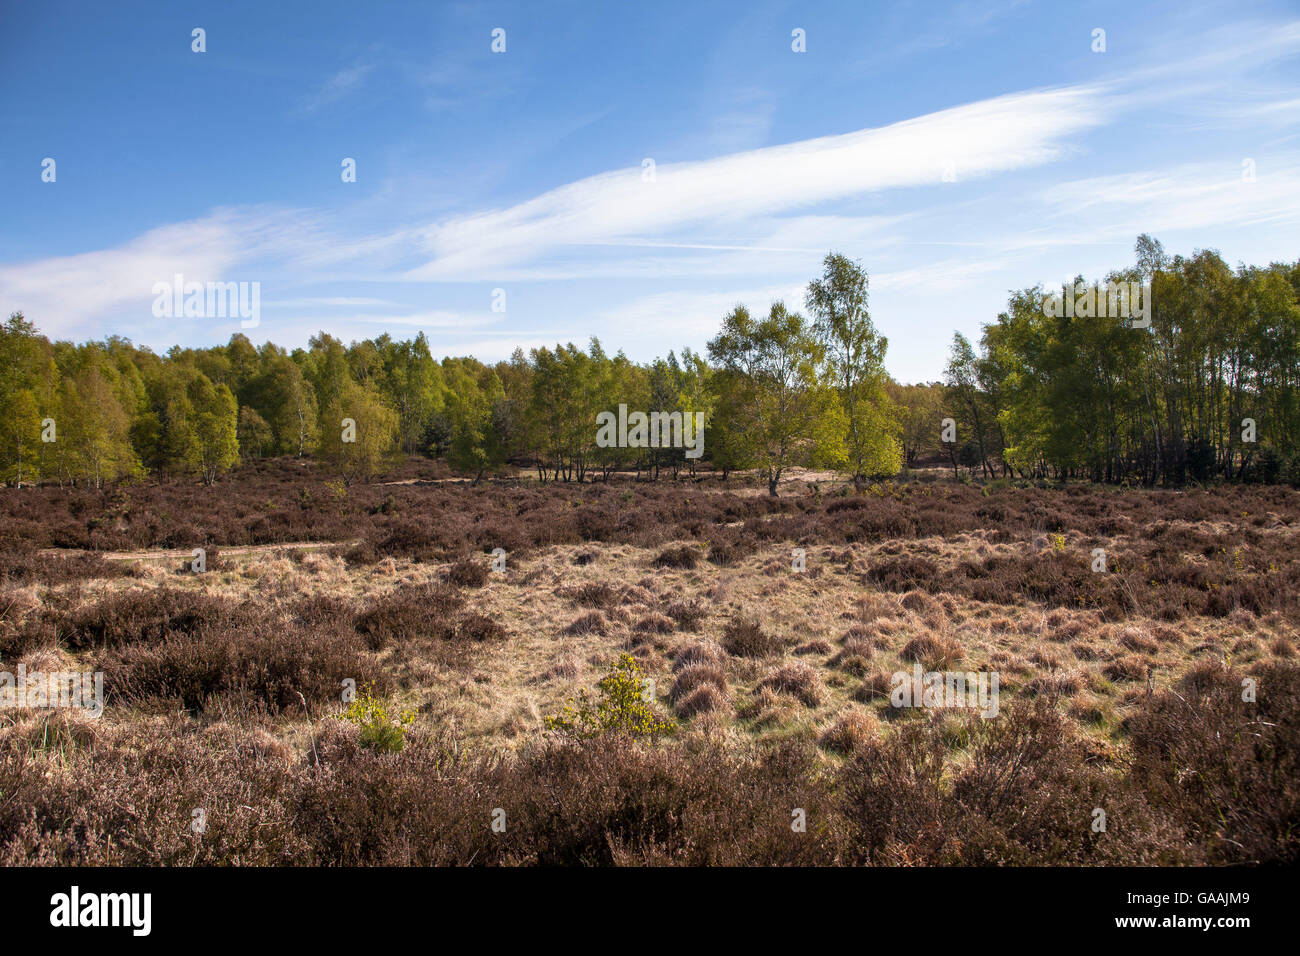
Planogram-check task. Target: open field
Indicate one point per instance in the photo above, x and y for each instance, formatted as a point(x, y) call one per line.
point(1120, 690)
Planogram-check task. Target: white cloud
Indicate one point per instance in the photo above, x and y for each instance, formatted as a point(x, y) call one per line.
point(338, 86)
point(997, 135)
point(62, 293)
point(1188, 196)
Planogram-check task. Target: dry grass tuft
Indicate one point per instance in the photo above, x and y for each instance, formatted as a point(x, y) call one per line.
point(797, 679)
point(591, 623)
point(934, 653)
point(849, 733)
point(744, 637)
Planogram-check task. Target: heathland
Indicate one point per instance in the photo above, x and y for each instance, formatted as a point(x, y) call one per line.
point(350, 604)
point(1161, 691)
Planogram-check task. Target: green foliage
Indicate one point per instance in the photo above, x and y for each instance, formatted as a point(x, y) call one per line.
point(474, 403)
point(621, 709)
point(1038, 396)
point(215, 445)
point(855, 361)
point(383, 727)
point(1093, 396)
point(358, 431)
point(774, 404)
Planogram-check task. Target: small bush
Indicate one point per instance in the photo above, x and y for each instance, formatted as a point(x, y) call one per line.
point(705, 699)
point(382, 727)
point(468, 573)
point(621, 709)
point(934, 653)
point(690, 679)
point(797, 679)
point(743, 637)
point(596, 594)
point(685, 556)
point(478, 628)
point(590, 623)
point(700, 652)
point(689, 615)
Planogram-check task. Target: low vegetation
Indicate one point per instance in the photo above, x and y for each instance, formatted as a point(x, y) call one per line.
point(619, 707)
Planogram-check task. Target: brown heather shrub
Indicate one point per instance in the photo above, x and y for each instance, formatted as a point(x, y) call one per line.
point(743, 637)
point(691, 678)
point(933, 652)
point(872, 606)
point(1028, 793)
point(1025, 796)
point(875, 687)
point(705, 699)
point(905, 574)
point(591, 623)
point(595, 594)
point(849, 733)
point(797, 679)
point(1225, 768)
point(1020, 791)
point(1136, 640)
point(631, 803)
point(730, 545)
point(699, 652)
point(685, 556)
point(1086, 712)
point(409, 612)
point(654, 623)
point(1085, 652)
point(891, 788)
point(1052, 686)
point(469, 573)
point(868, 633)
point(688, 614)
point(854, 657)
point(21, 563)
point(478, 628)
point(1045, 657)
point(127, 800)
point(57, 731)
point(1130, 668)
point(564, 669)
point(147, 616)
point(817, 646)
point(919, 603)
point(261, 666)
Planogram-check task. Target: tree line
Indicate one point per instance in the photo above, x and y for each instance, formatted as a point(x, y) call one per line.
point(1207, 391)
point(1066, 396)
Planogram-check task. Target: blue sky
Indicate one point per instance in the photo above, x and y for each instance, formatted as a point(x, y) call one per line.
point(523, 170)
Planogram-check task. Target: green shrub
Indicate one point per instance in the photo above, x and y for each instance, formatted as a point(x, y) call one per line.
point(382, 729)
point(621, 709)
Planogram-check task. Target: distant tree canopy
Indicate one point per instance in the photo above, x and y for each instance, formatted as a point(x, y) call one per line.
point(1208, 390)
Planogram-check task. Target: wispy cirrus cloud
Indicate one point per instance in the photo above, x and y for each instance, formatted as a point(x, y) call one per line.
point(980, 139)
point(1186, 196)
point(752, 221)
point(67, 293)
point(338, 86)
